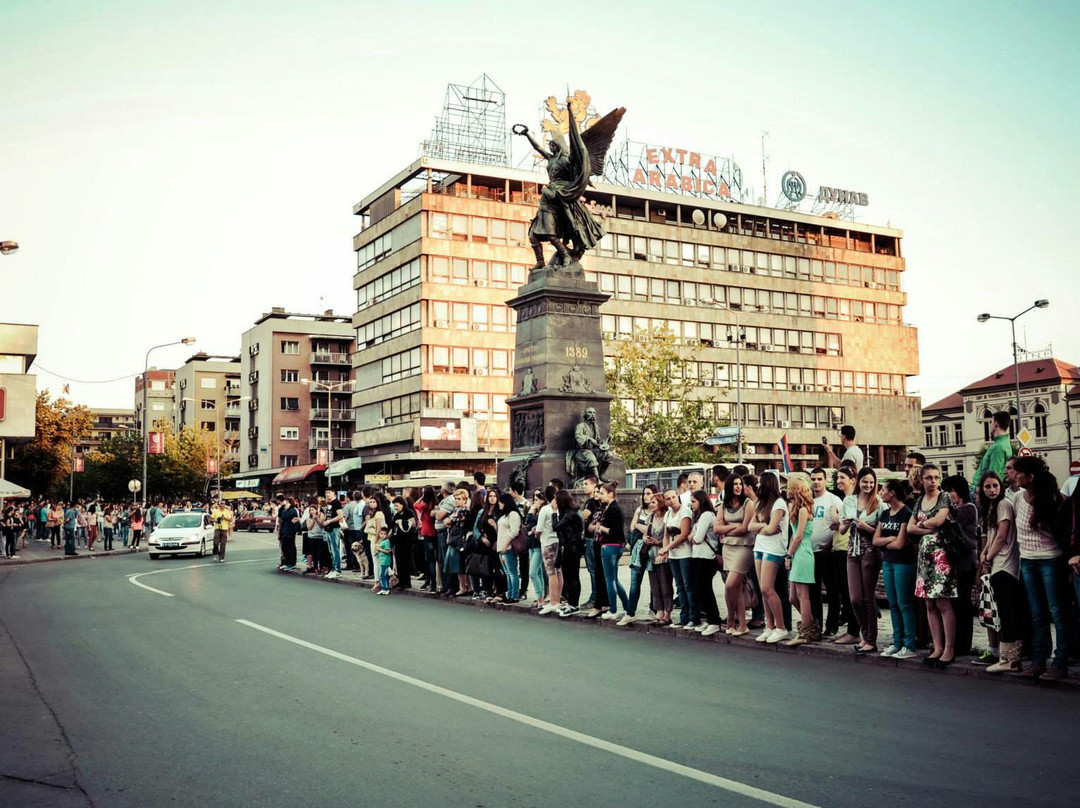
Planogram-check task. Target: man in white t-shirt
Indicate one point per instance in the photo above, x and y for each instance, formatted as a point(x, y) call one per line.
point(679, 550)
point(826, 520)
point(694, 482)
point(852, 451)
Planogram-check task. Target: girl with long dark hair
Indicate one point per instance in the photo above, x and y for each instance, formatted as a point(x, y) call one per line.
point(569, 527)
point(770, 523)
point(704, 549)
point(732, 526)
point(1000, 559)
point(864, 561)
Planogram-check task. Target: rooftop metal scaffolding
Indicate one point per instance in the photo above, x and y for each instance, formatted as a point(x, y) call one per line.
point(472, 125)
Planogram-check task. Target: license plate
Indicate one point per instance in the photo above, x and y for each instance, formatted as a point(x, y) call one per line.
point(171, 544)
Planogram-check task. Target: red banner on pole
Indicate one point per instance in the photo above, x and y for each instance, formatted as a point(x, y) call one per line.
point(211, 465)
point(78, 464)
point(156, 443)
point(322, 456)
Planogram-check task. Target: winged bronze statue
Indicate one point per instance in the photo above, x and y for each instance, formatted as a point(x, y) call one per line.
point(562, 218)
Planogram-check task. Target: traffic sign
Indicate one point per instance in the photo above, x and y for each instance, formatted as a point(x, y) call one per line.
point(1024, 436)
point(1024, 451)
point(134, 485)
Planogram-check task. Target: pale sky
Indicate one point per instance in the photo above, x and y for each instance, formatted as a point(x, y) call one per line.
point(175, 169)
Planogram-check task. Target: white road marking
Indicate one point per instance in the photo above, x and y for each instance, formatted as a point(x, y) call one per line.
point(597, 743)
point(135, 578)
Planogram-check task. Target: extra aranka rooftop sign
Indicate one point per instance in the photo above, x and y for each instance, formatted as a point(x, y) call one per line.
point(674, 170)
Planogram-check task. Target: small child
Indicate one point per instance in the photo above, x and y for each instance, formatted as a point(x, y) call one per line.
point(385, 560)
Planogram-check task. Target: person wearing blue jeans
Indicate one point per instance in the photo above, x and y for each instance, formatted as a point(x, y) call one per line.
point(898, 568)
point(677, 551)
point(1044, 580)
point(510, 567)
point(611, 535)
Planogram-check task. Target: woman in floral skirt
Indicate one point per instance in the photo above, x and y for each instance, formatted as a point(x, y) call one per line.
point(935, 580)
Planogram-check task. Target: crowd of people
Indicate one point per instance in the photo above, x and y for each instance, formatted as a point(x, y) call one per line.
point(86, 524)
point(818, 548)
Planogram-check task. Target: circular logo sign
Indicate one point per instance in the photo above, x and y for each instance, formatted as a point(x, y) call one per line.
point(793, 185)
point(1024, 451)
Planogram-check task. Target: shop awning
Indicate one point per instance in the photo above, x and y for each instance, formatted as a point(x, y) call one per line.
point(12, 490)
point(295, 474)
point(341, 467)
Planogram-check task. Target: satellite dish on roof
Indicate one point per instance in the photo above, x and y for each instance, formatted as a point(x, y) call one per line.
point(698, 217)
point(720, 220)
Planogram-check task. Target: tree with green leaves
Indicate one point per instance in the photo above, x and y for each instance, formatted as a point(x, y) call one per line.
point(659, 416)
point(43, 463)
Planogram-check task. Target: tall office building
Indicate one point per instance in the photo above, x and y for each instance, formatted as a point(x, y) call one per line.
point(813, 302)
point(160, 398)
point(207, 392)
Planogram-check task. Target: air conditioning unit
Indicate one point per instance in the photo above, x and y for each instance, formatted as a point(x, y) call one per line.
point(797, 388)
point(769, 348)
point(751, 270)
point(707, 382)
point(762, 308)
point(827, 389)
point(751, 449)
point(809, 388)
point(734, 268)
point(477, 327)
point(382, 422)
point(480, 371)
point(785, 424)
point(442, 324)
point(898, 392)
point(479, 282)
point(689, 301)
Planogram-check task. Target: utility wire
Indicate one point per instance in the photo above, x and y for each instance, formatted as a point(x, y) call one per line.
point(44, 369)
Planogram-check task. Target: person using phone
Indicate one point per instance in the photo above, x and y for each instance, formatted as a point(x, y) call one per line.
point(852, 451)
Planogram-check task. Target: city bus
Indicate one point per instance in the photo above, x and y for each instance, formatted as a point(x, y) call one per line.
point(667, 477)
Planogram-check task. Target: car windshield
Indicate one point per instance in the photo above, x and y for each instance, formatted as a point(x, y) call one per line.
point(254, 514)
point(175, 520)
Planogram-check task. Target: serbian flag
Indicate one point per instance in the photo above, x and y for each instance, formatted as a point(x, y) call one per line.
point(785, 452)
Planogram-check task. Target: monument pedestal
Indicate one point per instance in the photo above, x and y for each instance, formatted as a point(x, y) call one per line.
point(558, 375)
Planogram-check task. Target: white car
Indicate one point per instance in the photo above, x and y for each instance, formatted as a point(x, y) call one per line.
point(180, 533)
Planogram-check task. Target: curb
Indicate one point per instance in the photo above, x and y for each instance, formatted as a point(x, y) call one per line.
point(23, 561)
point(824, 651)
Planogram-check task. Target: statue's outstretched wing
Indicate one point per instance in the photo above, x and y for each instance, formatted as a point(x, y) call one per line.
point(597, 139)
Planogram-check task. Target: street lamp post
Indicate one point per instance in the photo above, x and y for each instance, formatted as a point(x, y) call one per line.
point(738, 336)
point(982, 318)
point(329, 388)
point(145, 423)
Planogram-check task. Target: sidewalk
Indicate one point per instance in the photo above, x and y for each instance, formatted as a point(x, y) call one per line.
point(36, 552)
point(962, 667)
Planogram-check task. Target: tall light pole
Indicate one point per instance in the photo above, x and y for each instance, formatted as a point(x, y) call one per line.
point(145, 422)
point(737, 334)
point(219, 427)
point(329, 388)
point(982, 318)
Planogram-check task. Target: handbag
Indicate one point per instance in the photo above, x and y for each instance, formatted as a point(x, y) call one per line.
point(988, 610)
point(520, 543)
point(750, 593)
point(952, 541)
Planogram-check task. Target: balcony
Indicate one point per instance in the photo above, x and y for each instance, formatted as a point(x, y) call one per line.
point(324, 358)
point(232, 389)
point(338, 415)
point(320, 443)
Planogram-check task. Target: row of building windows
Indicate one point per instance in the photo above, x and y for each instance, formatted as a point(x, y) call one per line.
point(389, 326)
point(400, 409)
point(688, 254)
point(942, 438)
point(396, 280)
point(401, 365)
point(736, 298)
point(784, 340)
point(811, 380)
point(481, 406)
point(780, 416)
point(469, 316)
point(377, 249)
point(477, 229)
point(500, 274)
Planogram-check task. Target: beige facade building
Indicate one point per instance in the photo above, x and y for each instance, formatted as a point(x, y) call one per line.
point(297, 378)
point(107, 424)
point(207, 393)
point(817, 302)
point(957, 428)
point(160, 398)
point(18, 388)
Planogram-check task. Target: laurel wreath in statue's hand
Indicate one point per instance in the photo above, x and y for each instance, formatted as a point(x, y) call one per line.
point(519, 129)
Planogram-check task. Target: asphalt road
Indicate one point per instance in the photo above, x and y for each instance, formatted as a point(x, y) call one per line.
point(116, 695)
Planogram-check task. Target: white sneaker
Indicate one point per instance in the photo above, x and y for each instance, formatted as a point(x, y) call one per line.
point(905, 653)
point(333, 574)
point(383, 592)
point(609, 616)
point(890, 651)
point(778, 635)
point(764, 635)
point(549, 609)
point(708, 631)
point(626, 620)
point(701, 627)
point(688, 627)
